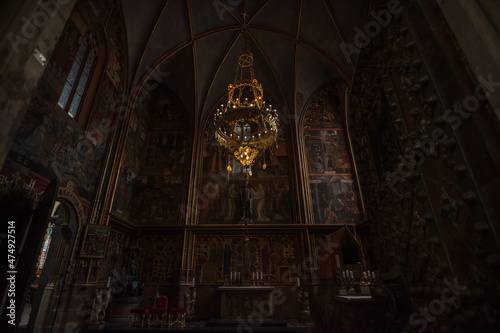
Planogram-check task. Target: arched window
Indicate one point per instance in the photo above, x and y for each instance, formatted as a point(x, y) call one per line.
point(78, 77)
point(45, 249)
point(47, 239)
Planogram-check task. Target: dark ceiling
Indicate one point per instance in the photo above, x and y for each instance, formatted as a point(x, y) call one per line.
point(295, 43)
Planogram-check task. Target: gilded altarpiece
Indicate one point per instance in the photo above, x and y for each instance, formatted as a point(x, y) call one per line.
point(217, 256)
point(161, 257)
point(113, 266)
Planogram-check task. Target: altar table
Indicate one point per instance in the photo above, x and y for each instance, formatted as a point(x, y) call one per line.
point(241, 301)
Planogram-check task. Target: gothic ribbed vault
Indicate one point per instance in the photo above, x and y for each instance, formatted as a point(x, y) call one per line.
point(296, 46)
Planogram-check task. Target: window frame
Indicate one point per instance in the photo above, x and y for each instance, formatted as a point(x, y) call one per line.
point(91, 47)
point(94, 82)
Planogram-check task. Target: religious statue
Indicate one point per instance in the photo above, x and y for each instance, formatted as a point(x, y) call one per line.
point(247, 202)
point(303, 299)
point(101, 301)
point(189, 301)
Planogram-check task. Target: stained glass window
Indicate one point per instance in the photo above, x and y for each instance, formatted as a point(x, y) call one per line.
point(45, 249)
point(76, 82)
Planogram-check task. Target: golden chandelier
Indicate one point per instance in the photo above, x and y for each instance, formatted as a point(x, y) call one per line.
point(246, 126)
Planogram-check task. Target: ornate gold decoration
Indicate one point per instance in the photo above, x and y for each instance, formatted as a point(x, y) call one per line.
point(69, 194)
point(246, 155)
point(246, 126)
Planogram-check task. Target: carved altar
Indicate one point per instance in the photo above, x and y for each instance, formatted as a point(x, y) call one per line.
point(241, 301)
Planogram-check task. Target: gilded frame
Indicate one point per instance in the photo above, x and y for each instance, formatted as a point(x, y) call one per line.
point(95, 241)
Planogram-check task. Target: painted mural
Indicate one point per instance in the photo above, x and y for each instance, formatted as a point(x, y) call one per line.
point(334, 199)
point(52, 148)
point(165, 153)
point(149, 189)
point(101, 123)
point(121, 200)
point(149, 200)
point(170, 114)
point(49, 143)
point(327, 152)
point(136, 140)
point(334, 191)
point(156, 200)
point(220, 194)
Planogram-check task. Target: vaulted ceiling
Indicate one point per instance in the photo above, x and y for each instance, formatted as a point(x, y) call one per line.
point(195, 44)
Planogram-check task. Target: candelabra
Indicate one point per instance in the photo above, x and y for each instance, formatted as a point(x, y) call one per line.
point(235, 279)
point(349, 284)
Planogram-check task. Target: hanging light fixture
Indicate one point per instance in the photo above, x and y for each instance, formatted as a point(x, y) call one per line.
point(246, 126)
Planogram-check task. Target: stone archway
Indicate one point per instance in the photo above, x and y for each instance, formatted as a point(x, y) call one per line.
point(51, 277)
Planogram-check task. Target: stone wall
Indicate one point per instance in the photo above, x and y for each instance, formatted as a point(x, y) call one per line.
point(40, 142)
point(425, 165)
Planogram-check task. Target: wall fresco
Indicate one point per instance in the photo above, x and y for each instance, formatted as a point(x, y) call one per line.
point(334, 191)
point(50, 143)
point(149, 189)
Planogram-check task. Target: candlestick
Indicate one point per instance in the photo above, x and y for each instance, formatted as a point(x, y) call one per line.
point(373, 276)
point(352, 275)
point(262, 276)
point(193, 282)
point(369, 273)
point(365, 275)
point(109, 281)
point(231, 278)
point(253, 275)
point(343, 274)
